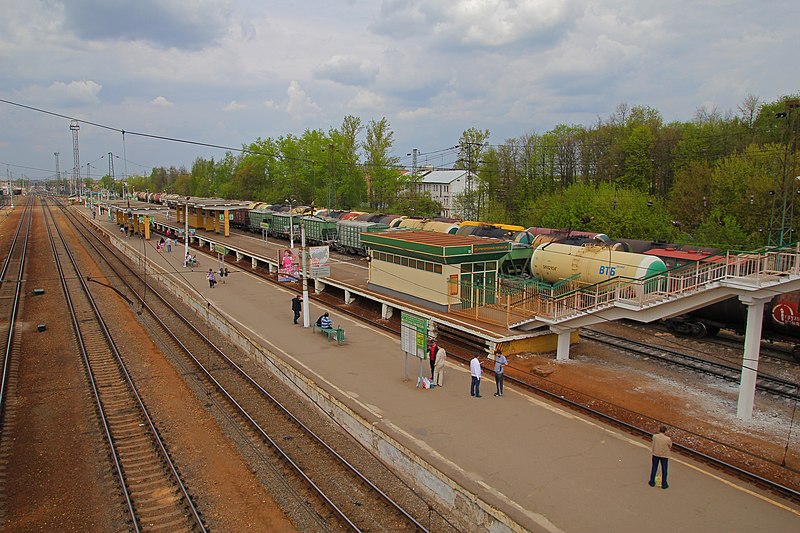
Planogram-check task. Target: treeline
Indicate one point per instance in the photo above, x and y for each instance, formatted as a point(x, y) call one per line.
point(725, 180)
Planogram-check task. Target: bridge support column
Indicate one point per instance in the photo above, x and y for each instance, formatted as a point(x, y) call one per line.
point(752, 351)
point(386, 311)
point(348, 297)
point(272, 268)
point(318, 286)
point(562, 351)
point(253, 263)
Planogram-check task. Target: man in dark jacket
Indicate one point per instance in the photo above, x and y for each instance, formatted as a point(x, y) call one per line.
point(432, 354)
point(297, 306)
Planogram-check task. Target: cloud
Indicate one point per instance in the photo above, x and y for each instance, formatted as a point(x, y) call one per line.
point(234, 106)
point(61, 93)
point(347, 70)
point(161, 101)
point(367, 101)
point(299, 103)
point(184, 24)
point(479, 24)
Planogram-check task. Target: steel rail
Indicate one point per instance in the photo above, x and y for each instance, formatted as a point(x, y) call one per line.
point(12, 319)
point(247, 415)
point(770, 384)
point(129, 380)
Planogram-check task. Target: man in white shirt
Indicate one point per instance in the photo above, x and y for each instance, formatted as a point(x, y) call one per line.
point(475, 371)
point(662, 445)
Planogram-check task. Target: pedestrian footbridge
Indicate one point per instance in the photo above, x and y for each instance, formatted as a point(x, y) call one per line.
point(753, 277)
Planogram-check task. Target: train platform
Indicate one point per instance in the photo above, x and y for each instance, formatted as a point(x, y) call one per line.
point(351, 273)
point(526, 463)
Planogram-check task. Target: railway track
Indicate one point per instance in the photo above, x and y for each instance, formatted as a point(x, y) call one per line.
point(152, 489)
point(11, 277)
point(764, 383)
point(333, 493)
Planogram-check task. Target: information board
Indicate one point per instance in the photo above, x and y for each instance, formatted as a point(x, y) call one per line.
point(413, 335)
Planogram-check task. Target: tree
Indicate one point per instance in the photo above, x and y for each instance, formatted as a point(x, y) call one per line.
point(350, 186)
point(639, 159)
point(690, 195)
point(415, 205)
point(604, 209)
point(381, 168)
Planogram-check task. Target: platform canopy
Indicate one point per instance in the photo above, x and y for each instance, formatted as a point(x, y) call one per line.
point(441, 248)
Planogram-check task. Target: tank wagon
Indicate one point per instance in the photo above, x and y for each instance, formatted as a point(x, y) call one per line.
point(781, 321)
point(587, 265)
point(601, 238)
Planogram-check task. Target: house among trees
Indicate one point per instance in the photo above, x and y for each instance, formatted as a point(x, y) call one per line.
point(445, 187)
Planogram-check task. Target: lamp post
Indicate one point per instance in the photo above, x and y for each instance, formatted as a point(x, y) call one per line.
point(186, 229)
point(306, 311)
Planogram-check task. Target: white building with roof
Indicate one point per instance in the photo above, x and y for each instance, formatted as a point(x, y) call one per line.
point(444, 186)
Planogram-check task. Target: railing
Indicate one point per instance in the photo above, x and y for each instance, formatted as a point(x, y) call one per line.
point(515, 301)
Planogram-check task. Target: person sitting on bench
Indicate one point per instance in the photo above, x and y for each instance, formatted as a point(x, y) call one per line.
point(325, 322)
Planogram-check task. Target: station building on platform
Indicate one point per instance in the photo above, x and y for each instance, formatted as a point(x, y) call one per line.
point(434, 269)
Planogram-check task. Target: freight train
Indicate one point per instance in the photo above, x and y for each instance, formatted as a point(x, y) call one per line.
point(536, 253)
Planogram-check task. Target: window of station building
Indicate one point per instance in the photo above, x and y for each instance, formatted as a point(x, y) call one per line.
point(427, 266)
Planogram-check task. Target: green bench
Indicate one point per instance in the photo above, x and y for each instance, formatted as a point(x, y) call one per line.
point(332, 333)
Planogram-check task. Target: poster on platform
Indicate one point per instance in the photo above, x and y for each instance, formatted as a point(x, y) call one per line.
point(288, 264)
point(320, 257)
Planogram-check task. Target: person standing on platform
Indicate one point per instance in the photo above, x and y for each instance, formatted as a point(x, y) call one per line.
point(438, 369)
point(432, 354)
point(212, 279)
point(169, 244)
point(662, 446)
point(500, 362)
point(297, 306)
point(475, 371)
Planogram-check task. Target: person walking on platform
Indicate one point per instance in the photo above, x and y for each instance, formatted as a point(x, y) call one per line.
point(169, 244)
point(438, 369)
point(432, 349)
point(297, 306)
point(500, 362)
point(475, 371)
point(662, 446)
point(212, 279)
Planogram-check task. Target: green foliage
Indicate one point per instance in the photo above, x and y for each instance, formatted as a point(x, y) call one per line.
point(600, 177)
point(415, 205)
point(618, 213)
point(724, 232)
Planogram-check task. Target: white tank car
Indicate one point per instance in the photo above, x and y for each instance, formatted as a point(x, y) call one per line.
point(553, 262)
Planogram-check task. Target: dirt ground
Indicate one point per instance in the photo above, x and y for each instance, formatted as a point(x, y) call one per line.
point(57, 475)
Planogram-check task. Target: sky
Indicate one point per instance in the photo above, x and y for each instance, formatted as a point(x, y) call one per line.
point(227, 72)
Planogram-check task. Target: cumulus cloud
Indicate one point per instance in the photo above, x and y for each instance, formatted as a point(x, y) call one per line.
point(161, 101)
point(234, 106)
point(367, 101)
point(347, 70)
point(184, 24)
point(299, 103)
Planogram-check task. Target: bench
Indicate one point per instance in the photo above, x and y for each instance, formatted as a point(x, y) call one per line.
point(332, 333)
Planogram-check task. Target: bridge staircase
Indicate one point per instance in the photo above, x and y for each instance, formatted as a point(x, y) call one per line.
point(754, 277)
